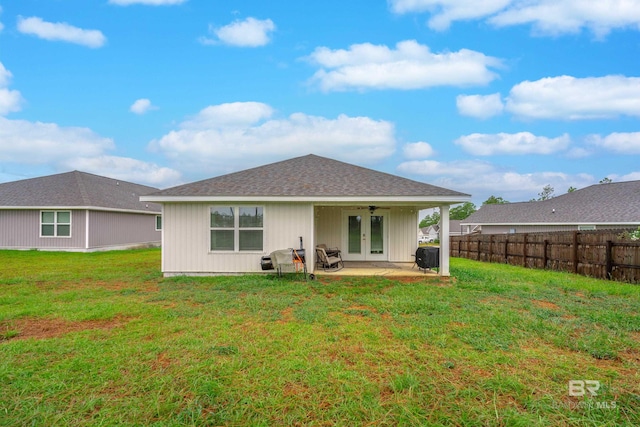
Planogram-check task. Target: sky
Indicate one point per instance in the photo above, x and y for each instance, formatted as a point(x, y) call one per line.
point(499, 97)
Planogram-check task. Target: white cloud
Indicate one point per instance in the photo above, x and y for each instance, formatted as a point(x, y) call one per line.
point(228, 137)
point(251, 32)
point(229, 115)
point(126, 169)
point(622, 143)
point(548, 17)
point(60, 31)
point(47, 144)
point(571, 98)
point(512, 143)
point(10, 100)
point(409, 66)
point(39, 143)
point(141, 106)
point(480, 106)
point(482, 179)
point(444, 12)
point(571, 16)
point(417, 150)
point(146, 2)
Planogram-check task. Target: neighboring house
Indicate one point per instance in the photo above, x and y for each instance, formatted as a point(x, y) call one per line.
point(600, 206)
point(77, 211)
point(224, 225)
point(432, 232)
point(428, 234)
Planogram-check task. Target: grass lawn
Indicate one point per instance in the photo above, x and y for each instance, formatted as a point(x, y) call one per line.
point(103, 339)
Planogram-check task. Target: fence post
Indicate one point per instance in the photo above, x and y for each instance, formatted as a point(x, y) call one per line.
point(609, 260)
point(524, 250)
point(490, 247)
point(574, 252)
point(506, 248)
point(545, 257)
point(468, 250)
point(478, 258)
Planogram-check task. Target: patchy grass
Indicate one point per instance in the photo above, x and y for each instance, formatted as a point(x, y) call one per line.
point(103, 339)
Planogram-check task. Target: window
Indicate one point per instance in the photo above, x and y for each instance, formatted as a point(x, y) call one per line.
point(55, 224)
point(158, 222)
point(236, 228)
point(586, 227)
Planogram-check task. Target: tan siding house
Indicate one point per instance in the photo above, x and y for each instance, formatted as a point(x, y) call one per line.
point(225, 225)
point(76, 211)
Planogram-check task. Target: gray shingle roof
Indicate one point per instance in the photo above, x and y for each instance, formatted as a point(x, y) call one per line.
point(308, 176)
point(76, 189)
point(616, 202)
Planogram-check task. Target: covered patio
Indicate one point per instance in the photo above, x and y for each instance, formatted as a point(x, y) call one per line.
point(378, 268)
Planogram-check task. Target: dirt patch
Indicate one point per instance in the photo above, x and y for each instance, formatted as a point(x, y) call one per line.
point(161, 362)
point(545, 304)
point(42, 328)
point(286, 315)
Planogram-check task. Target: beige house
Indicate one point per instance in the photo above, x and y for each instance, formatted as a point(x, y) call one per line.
point(224, 225)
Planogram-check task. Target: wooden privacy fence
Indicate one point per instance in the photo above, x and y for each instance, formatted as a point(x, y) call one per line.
point(601, 254)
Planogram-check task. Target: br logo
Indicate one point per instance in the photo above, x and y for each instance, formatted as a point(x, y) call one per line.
point(581, 387)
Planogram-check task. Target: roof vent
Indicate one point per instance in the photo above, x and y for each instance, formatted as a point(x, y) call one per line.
point(553, 211)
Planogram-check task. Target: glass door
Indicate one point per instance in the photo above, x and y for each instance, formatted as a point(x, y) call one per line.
point(365, 235)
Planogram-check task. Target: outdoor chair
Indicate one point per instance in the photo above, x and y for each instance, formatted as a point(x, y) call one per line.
point(329, 251)
point(329, 262)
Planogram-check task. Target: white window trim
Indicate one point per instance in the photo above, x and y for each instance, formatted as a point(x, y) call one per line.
point(55, 224)
point(156, 219)
point(236, 229)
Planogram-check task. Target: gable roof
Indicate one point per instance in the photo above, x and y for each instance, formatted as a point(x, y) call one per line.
point(612, 203)
point(76, 190)
point(308, 177)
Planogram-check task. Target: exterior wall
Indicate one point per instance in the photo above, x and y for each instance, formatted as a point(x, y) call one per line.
point(186, 228)
point(505, 229)
point(328, 226)
point(402, 236)
point(108, 229)
point(20, 229)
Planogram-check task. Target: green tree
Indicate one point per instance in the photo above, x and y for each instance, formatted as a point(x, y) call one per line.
point(430, 220)
point(571, 189)
point(462, 211)
point(545, 194)
point(606, 180)
point(493, 200)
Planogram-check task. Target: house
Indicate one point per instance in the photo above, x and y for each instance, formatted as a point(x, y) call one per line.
point(224, 225)
point(428, 234)
point(77, 211)
point(432, 232)
point(601, 206)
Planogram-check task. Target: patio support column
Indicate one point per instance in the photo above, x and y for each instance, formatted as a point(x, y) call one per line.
point(444, 240)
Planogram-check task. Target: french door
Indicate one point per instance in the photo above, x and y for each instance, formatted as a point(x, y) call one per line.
point(365, 235)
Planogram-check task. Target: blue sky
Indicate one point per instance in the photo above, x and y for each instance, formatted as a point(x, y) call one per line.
point(500, 97)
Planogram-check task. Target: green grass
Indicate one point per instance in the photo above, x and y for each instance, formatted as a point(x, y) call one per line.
point(103, 339)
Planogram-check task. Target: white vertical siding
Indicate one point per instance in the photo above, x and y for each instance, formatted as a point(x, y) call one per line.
point(328, 226)
point(403, 234)
point(186, 231)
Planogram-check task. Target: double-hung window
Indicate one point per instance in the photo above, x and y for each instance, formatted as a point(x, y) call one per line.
point(55, 223)
point(237, 228)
